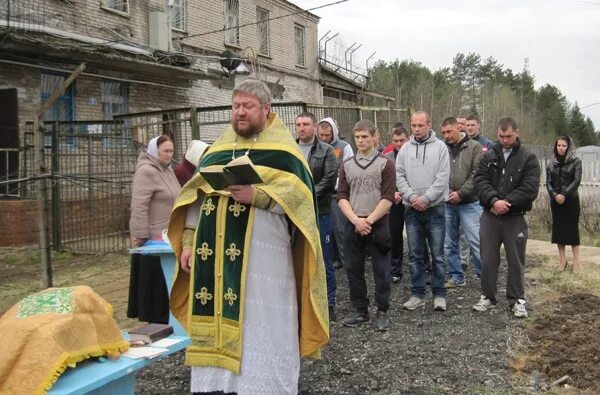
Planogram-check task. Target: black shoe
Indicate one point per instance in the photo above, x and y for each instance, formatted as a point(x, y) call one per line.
point(396, 279)
point(332, 315)
point(358, 318)
point(338, 265)
point(382, 322)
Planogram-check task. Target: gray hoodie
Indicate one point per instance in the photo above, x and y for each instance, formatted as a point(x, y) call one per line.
point(341, 148)
point(423, 169)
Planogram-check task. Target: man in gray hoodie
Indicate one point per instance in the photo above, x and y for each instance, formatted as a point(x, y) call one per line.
point(422, 176)
point(329, 133)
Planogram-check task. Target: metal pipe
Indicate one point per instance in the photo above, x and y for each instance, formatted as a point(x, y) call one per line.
point(369, 58)
point(346, 53)
point(321, 39)
point(351, 52)
point(325, 45)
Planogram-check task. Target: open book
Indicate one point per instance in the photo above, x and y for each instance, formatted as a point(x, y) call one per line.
point(239, 171)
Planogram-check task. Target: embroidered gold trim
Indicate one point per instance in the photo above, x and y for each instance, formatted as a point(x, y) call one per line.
point(233, 252)
point(203, 295)
point(204, 251)
point(237, 208)
point(208, 207)
point(230, 296)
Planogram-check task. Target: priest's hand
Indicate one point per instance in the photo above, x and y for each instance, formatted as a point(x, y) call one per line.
point(186, 259)
point(242, 193)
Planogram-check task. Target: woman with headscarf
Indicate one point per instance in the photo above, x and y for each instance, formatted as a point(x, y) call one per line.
point(154, 191)
point(563, 176)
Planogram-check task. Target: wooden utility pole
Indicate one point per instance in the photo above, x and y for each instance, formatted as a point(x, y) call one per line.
point(42, 193)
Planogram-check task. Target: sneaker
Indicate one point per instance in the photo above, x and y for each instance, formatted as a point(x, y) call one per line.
point(439, 303)
point(484, 304)
point(413, 303)
point(382, 322)
point(452, 283)
point(358, 318)
point(518, 309)
point(332, 315)
point(396, 279)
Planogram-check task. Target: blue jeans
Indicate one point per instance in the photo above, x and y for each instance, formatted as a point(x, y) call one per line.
point(327, 247)
point(420, 226)
point(468, 216)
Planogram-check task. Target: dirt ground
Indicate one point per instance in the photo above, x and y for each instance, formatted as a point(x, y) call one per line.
point(565, 342)
point(424, 352)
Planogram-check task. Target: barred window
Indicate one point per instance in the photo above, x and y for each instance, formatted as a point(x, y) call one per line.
point(113, 98)
point(117, 5)
point(232, 22)
point(262, 19)
point(299, 41)
point(177, 9)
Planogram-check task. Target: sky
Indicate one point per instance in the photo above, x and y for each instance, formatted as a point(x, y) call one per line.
point(560, 38)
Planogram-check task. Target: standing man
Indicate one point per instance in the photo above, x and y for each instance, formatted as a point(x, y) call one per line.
point(399, 136)
point(251, 298)
point(329, 133)
point(365, 195)
point(507, 181)
point(462, 207)
point(473, 130)
point(463, 244)
point(323, 166)
point(462, 123)
point(422, 172)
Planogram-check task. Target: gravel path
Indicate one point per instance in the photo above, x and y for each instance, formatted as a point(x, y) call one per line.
point(424, 352)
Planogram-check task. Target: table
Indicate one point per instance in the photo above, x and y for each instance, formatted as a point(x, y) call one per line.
point(110, 377)
point(167, 262)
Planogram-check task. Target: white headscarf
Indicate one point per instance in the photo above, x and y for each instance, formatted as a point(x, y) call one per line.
point(195, 151)
point(153, 148)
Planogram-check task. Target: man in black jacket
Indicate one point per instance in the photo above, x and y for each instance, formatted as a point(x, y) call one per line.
point(323, 166)
point(507, 181)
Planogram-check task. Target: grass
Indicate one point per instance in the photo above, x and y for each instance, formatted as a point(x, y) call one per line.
point(107, 274)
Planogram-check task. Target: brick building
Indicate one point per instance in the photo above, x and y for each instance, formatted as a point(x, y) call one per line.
point(140, 56)
point(148, 55)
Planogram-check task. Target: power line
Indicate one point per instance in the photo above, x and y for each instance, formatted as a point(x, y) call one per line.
point(257, 22)
point(589, 105)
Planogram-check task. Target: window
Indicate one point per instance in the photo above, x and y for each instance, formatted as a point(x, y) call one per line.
point(299, 42)
point(232, 22)
point(63, 107)
point(114, 99)
point(114, 102)
point(117, 5)
point(177, 9)
point(262, 17)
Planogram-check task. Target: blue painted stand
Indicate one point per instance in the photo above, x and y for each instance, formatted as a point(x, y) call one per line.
point(167, 261)
point(109, 377)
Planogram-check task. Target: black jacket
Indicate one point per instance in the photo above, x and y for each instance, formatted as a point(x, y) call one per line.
point(517, 179)
point(323, 166)
point(563, 178)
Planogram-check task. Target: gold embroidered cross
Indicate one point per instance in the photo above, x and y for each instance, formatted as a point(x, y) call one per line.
point(208, 207)
point(203, 295)
point(237, 208)
point(230, 297)
point(204, 251)
point(233, 252)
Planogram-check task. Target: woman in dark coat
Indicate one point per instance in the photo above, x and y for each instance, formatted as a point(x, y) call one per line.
point(563, 175)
